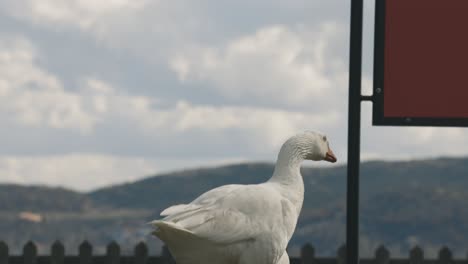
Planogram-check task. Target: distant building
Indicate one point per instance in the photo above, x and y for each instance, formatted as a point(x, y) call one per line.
point(30, 217)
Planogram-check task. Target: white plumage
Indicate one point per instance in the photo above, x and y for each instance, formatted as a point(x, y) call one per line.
point(244, 224)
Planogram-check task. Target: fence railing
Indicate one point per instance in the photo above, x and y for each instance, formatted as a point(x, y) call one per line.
point(140, 256)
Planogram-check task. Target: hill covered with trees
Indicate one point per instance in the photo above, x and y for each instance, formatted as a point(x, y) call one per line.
point(402, 204)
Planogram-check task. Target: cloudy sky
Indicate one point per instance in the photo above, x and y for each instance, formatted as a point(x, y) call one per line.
point(101, 92)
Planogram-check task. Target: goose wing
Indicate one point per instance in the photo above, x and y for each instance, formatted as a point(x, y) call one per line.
point(227, 214)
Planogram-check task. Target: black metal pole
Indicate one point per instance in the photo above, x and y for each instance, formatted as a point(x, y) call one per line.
point(354, 133)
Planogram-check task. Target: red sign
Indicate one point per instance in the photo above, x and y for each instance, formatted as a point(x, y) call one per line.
point(421, 63)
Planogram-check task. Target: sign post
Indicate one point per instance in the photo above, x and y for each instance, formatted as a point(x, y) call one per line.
point(420, 78)
point(354, 133)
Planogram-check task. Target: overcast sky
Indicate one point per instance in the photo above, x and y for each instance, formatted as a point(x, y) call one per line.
point(94, 93)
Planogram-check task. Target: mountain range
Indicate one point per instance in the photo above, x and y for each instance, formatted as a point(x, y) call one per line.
point(402, 204)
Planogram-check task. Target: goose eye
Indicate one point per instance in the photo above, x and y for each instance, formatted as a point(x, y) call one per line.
point(324, 138)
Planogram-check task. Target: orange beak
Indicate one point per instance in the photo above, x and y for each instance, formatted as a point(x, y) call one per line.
point(330, 157)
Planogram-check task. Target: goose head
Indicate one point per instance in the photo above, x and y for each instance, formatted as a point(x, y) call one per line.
point(310, 145)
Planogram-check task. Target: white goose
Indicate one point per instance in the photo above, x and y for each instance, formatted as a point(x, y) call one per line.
point(244, 224)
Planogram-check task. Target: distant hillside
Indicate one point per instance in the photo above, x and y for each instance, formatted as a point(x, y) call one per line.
point(402, 204)
point(323, 185)
point(40, 198)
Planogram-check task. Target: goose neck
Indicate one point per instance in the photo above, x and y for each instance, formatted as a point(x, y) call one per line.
point(288, 164)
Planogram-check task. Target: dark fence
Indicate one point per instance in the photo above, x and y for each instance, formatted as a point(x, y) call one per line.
point(140, 256)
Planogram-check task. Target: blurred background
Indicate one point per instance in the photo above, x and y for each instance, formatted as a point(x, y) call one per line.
point(112, 110)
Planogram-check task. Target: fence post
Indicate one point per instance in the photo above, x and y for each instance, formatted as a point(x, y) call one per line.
point(445, 256)
point(85, 253)
point(416, 255)
point(307, 254)
point(57, 253)
point(166, 255)
point(382, 256)
point(341, 256)
point(29, 253)
point(3, 253)
point(113, 253)
point(140, 253)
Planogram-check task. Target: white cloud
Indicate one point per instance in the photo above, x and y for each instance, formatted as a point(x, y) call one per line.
point(76, 171)
point(84, 172)
point(410, 142)
point(146, 29)
point(33, 96)
point(84, 14)
point(279, 63)
point(269, 126)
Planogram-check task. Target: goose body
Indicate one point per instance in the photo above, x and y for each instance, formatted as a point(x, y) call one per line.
point(244, 224)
